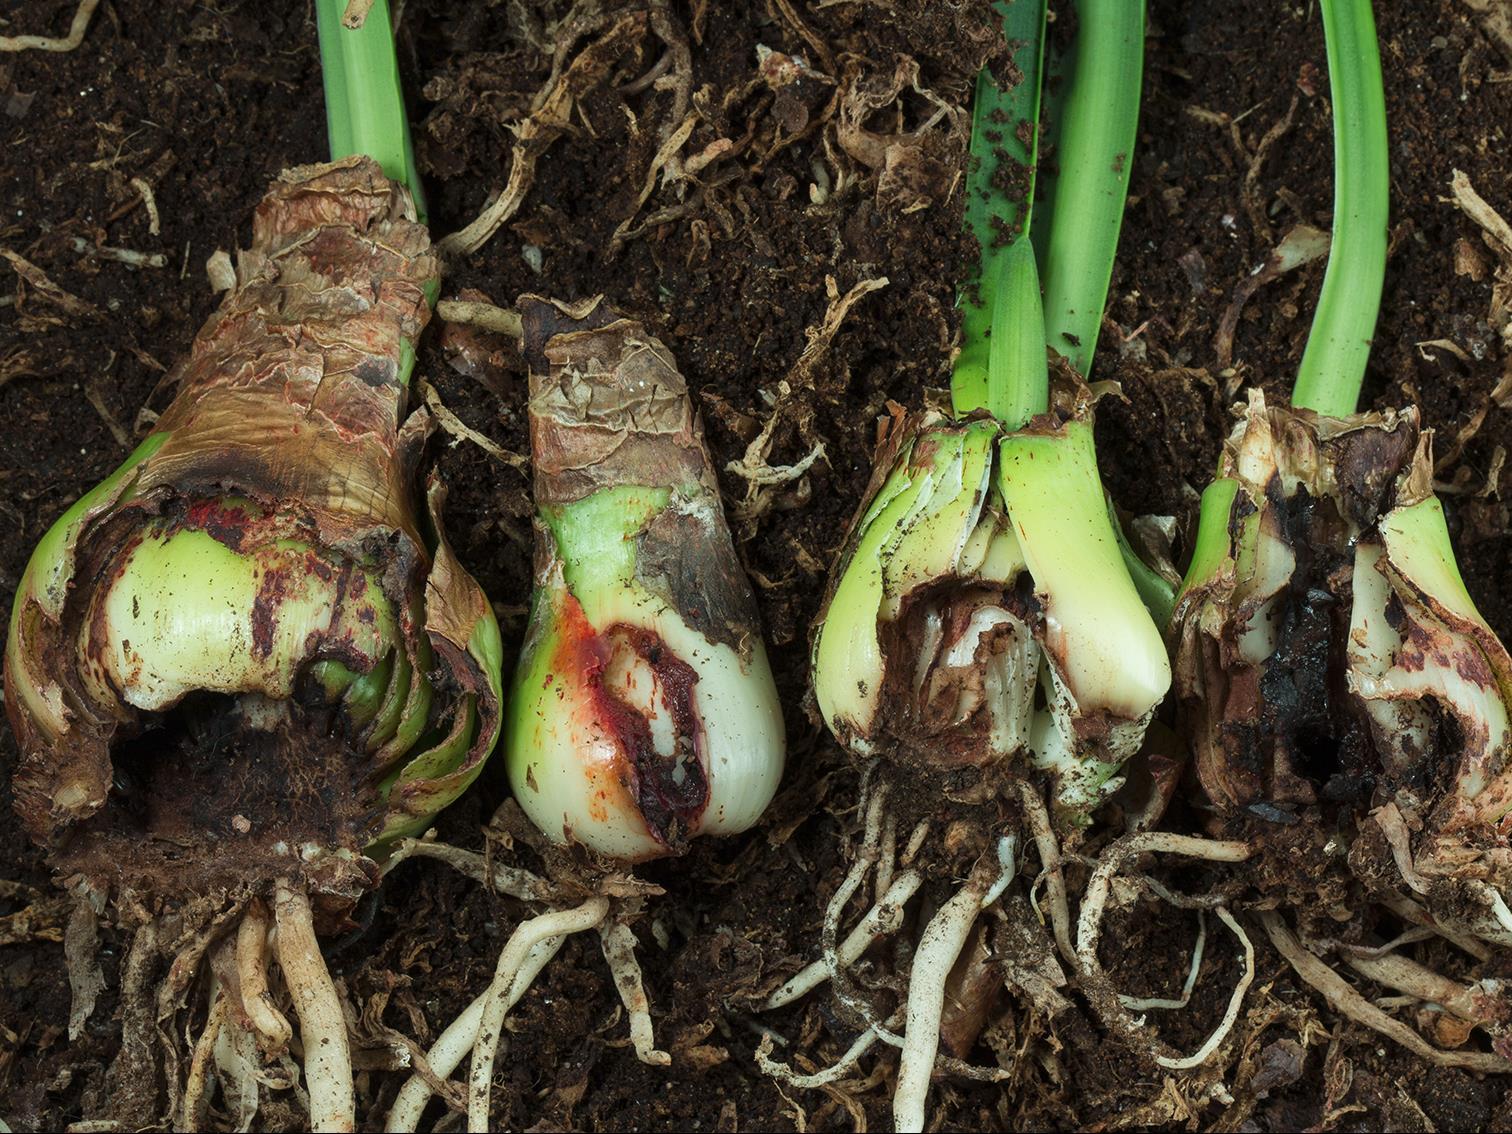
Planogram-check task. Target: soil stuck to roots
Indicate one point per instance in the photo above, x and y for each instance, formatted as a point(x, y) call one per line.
point(757, 251)
point(201, 804)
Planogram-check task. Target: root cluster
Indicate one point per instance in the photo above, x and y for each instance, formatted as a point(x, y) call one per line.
point(934, 962)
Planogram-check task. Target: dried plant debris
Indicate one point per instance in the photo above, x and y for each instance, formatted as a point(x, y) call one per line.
point(915, 166)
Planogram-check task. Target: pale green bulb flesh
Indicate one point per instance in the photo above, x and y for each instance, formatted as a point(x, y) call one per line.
point(567, 763)
point(185, 613)
point(1097, 630)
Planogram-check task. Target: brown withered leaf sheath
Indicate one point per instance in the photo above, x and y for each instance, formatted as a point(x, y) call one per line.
point(1251, 724)
point(291, 396)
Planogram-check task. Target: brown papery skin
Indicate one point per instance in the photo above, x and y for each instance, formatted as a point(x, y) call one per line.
point(292, 390)
point(609, 408)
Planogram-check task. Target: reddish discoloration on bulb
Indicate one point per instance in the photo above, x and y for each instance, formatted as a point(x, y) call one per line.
point(577, 659)
point(575, 652)
point(1423, 647)
point(670, 806)
point(322, 570)
point(271, 593)
point(226, 523)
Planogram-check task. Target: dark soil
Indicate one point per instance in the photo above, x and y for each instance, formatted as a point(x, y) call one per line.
point(207, 102)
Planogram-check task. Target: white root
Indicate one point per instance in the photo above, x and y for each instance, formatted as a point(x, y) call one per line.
point(444, 1056)
point(618, 943)
point(866, 858)
point(172, 991)
point(1481, 1003)
point(915, 843)
point(322, 1024)
point(887, 856)
point(552, 108)
point(1231, 1015)
point(128, 256)
point(510, 880)
point(939, 946)
point(76, 29)
point(1146, 1003)
point(1048, 846)
point(461, 431)
point(452, 1046)
point(196, 1102)
point(1407, 937)
point(252, 973)
point(496, 1006)
point(882, 919)
point(1089, 932)
point(149, 202)
point(1345, 1000)
point(1007, 856)
point(236, 1068)
point(1089, 924)
point(832, 1074)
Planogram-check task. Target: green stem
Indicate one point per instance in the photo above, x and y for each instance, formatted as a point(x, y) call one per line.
point(1214, 545)
point(364, 99)
point(1001, 367)
point(1097, 120)
point(1333, 365)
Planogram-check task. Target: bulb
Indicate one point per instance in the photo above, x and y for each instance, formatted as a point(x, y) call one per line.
point(643, 711)
point(241, 657)
point(981, 614)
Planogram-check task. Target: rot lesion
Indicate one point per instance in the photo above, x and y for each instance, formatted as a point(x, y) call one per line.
point(216, 788)
point(961, 686)
point(202, 802)
point(640, 694)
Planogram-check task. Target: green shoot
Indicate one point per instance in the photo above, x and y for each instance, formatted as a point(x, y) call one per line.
point(364, 100)
point(365, 109)
point(1333, 365)
point(1212, 549)
point(1001, 367)
point(1018, 373)
point(1094, 126)
point(1155, 590)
